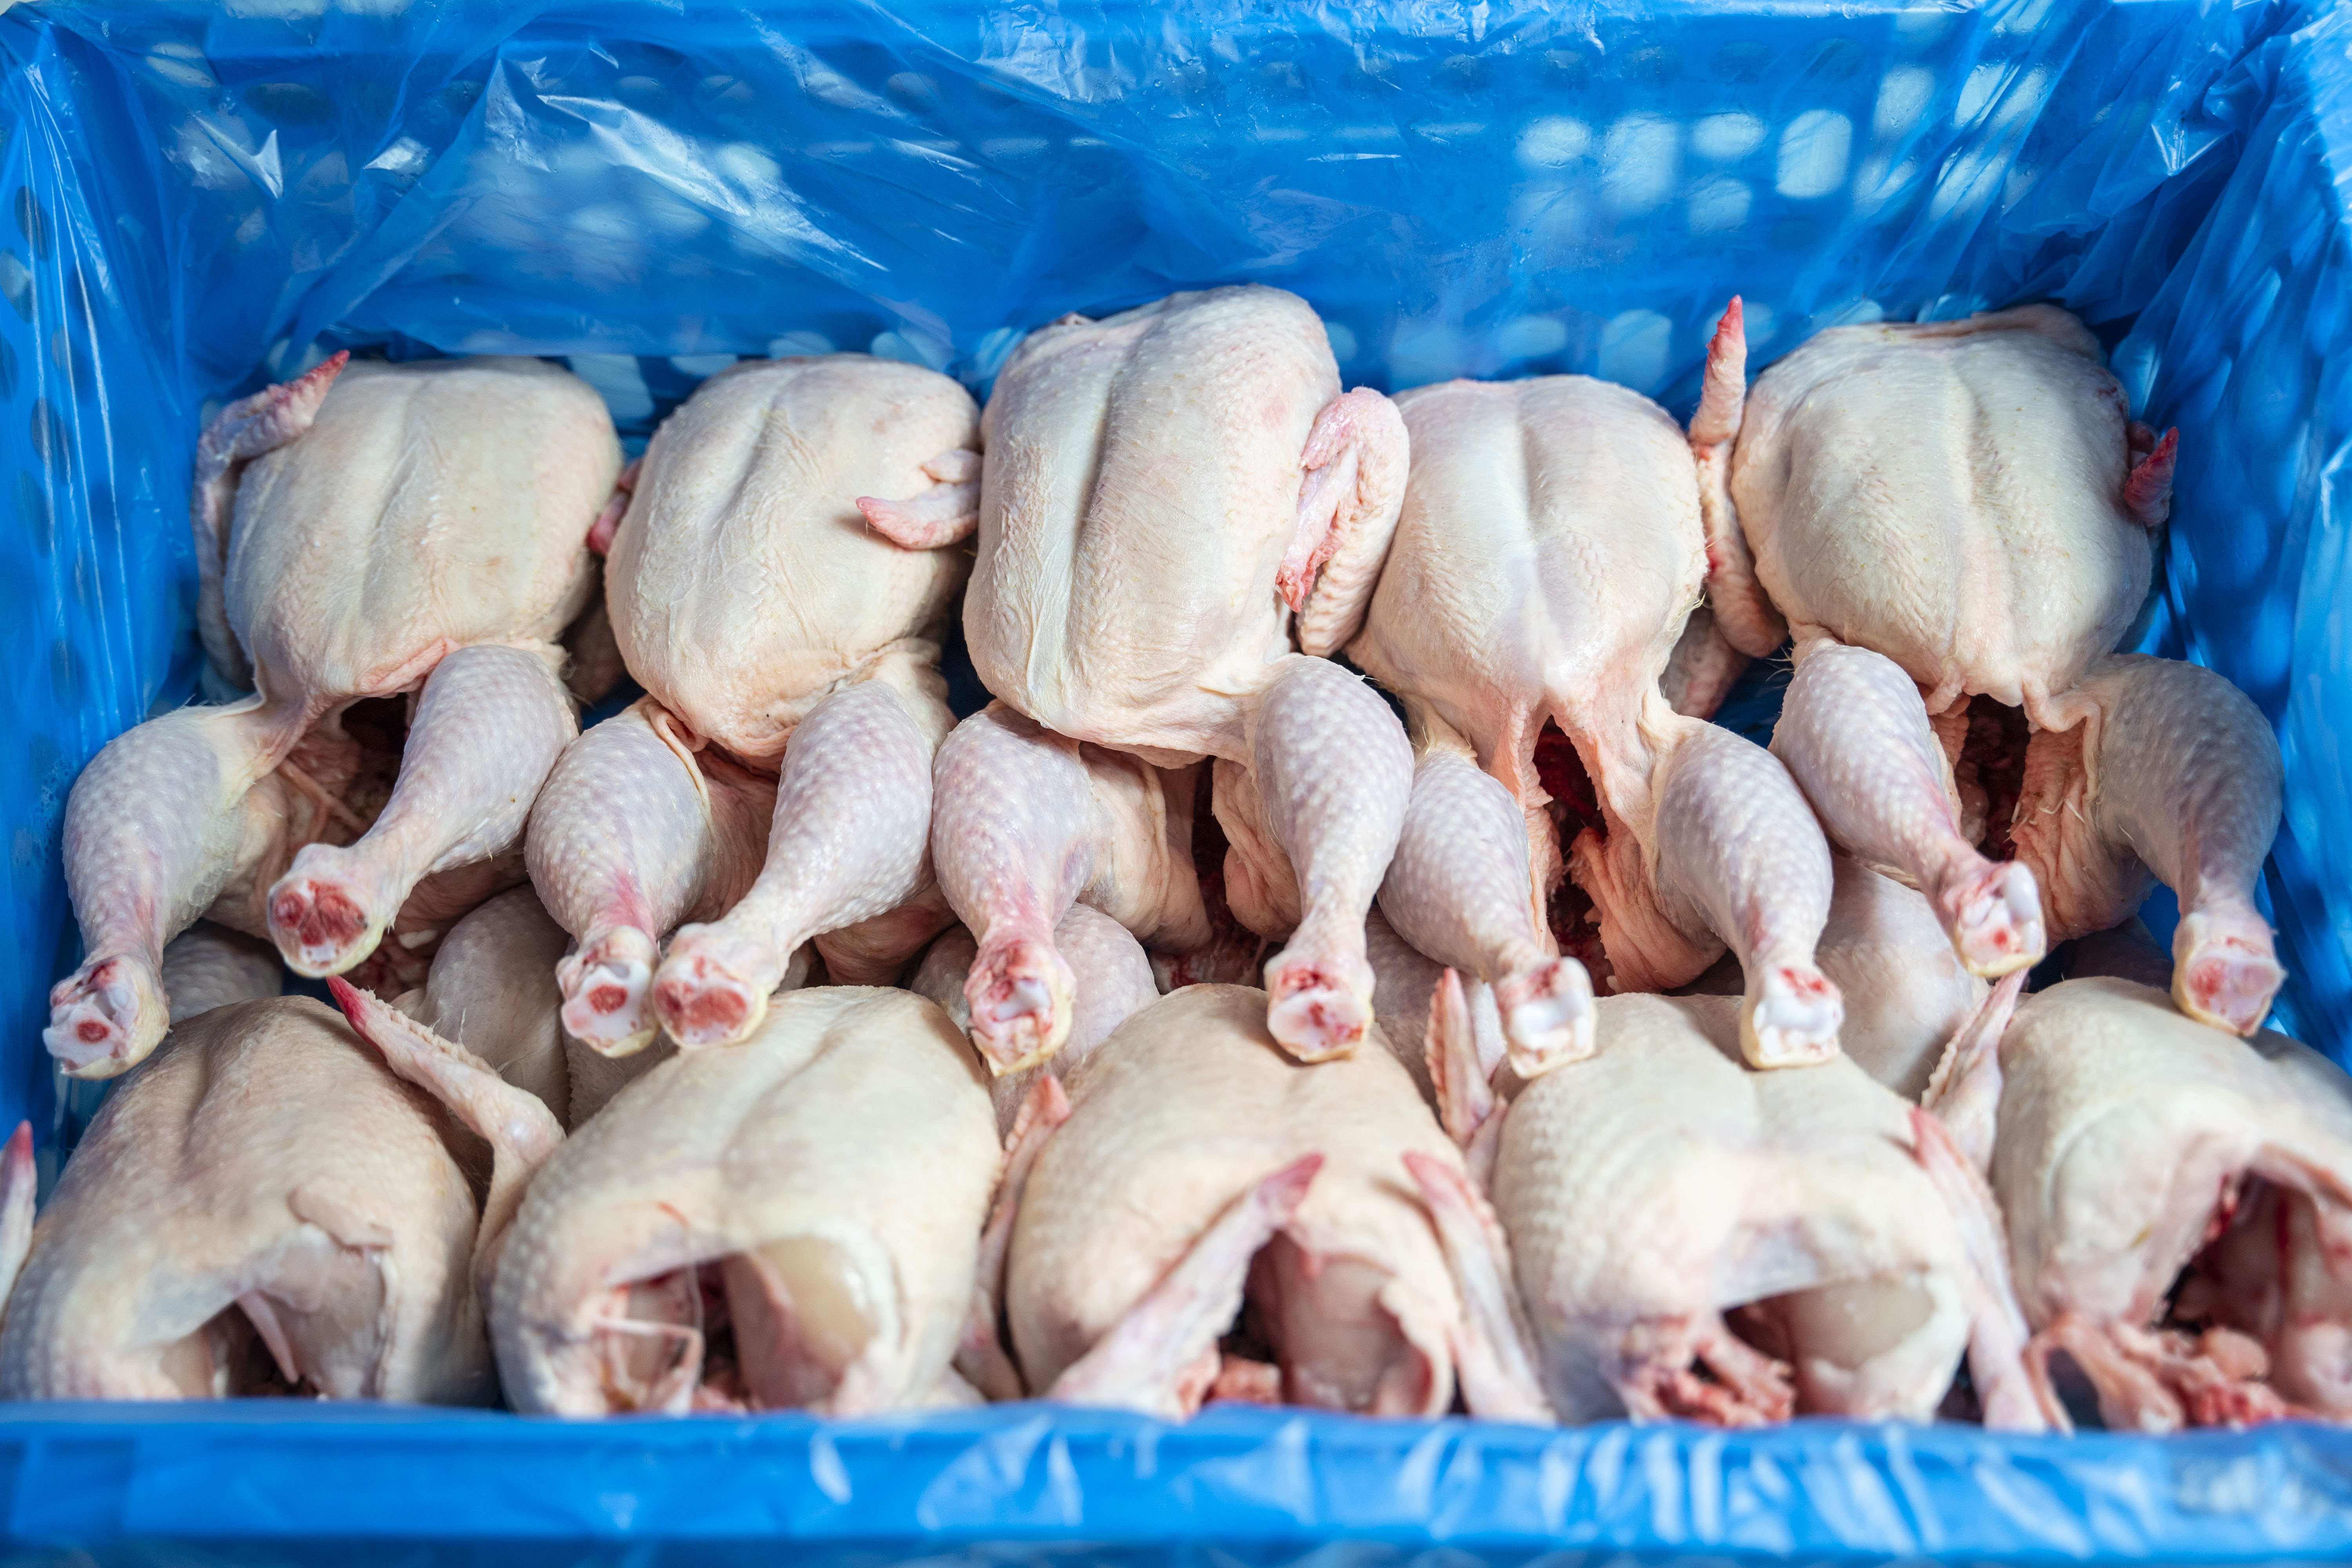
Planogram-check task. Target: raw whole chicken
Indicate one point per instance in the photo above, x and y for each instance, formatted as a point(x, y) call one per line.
point(261, 1207)
point(1698, 1239)
point(814, 1195)
point(775, 783)
point(362, 533)
point(2180, 1205)
point(1963, 511)
point(1547, 560)
point(1201, 1168)
point(1169, 495)
point(1113, 980)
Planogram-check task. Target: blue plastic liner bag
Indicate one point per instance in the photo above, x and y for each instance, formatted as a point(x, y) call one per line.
point(201, 199)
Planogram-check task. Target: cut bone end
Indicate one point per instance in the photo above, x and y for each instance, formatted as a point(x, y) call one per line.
point(1993, 915)
point(1318, 1010)
point(607, 988)
point(2225, 976)
point(105, 1019)
point(701, 1005)
point(1793, 1017)
point(1549, 1020)
point(1020, 992)
point(322, 926)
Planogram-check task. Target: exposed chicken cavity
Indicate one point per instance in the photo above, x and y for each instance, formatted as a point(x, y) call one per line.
point(1698, 1239)
point(776, 1326)
point(1323, 1325)
point(1573, 810)
point(1988, 767)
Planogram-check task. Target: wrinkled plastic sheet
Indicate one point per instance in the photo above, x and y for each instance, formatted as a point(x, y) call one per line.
point(1024, 1484)
point(200, 199)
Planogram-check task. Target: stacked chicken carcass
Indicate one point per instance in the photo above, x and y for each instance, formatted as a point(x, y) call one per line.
point(1183, 1025)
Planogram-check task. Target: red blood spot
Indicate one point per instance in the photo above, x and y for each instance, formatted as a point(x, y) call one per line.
point(717, 1010)
point(607, 998)
point(1806, 985)
point(91, 1031)
point(330, 920)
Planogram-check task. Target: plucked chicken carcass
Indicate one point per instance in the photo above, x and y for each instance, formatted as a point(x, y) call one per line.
point(2180, 1205)
point(362, 533)
point(1954, 519)
point(261, 1207)
point(1169, 495)
point(1201, 1168)
point(775, 783)
point(1547, 560)
point(1696, 1238)
point(813, 1195)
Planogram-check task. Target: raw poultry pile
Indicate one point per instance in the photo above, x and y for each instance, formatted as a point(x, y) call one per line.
point(1185, 1024)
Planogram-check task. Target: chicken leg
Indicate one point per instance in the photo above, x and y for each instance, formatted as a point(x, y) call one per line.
point(1026, 824)
point(1334, 775)
point(635, 832)
point(1458, 891)
point(850, 841)
point(490, 724)
point(155, 829)
point(1854, 732)
point(2186, 781)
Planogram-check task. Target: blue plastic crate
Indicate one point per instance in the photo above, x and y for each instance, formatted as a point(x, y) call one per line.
point(200, 199)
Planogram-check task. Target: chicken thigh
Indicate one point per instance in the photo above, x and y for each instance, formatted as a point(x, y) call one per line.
point(1201, 1170)
point(1547, 560)
point(2179, 1207)
point(260, 1207)
point(1180, 511)
point(1957, 517)
point(775, 783)
point(814, 1195)
point(1698, 1239)
point(363, 533)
